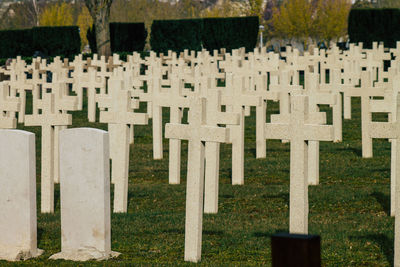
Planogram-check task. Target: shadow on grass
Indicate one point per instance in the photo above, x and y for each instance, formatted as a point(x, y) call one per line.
point(385, 243)
point(283, 195)
point(205, 232)
point(269, 234)
point(383, 200)
point(356, 151)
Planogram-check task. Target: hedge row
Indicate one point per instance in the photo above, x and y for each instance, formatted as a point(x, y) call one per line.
point(124, 37)
point(374, 25)
point(209, 33)
point(176, 35)
point(51, 41)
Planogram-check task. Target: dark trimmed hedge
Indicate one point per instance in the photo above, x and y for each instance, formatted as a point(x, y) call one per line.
point(51, 41)
point(57, 41)
point(208, 33)
point(374, 25)
point(211, 33)
point(176, 35)
point(16, 43)
point(124, 37)
point(230, 33)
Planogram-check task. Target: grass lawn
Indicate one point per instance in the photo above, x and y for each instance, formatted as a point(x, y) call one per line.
point(349, 209)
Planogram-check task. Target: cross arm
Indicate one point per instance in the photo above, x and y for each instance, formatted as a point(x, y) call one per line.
point(318, 132)
point(125, 118)
point(277, 131)
point(104, 101)
point(324, 98)
point(316, 118)
point(52, 120)
point(8, 123)
point(383, 130)
point(380, 106)
point(227, 118)
point(214, 134)
point(177, 131)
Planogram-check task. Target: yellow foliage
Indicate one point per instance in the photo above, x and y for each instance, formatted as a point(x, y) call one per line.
point(84, 21)
point(57, 15)
point(226, 9)
point(331, 19)
point(256, 8)
point(301, 19)
point(293, 20)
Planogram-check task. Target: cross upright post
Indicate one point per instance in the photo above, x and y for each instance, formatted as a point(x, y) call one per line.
point(119, 115)
point(366, 91)
point(197, 132)
point(236, 98)
point(8, 106)
point(49, 118)
point(392, 130)
point(298, 130)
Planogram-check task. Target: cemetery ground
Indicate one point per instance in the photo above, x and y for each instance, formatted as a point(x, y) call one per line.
point(349, 209)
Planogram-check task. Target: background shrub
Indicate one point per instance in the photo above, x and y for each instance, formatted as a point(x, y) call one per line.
point(16, 43)
point(230, 33)
point(176, 35)
point(124, 37)
point(374, 25)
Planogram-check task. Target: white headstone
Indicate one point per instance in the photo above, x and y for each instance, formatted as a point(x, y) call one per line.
point(18, 233)
point(85, 195)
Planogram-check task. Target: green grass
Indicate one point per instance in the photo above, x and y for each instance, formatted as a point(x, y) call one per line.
point(349, 209)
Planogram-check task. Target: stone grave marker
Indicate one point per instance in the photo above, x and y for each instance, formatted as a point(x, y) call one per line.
point(366, 91)
point(48, 118)
point(392, 130)
point(315, 98)
point(196, 132)
point(85, 195)
point(298, 131)
point(119, 116)
point(235, 98)
point(18, 85)
point(18, 238)
point(261, 112)
point(8, 106)
point(214, 117)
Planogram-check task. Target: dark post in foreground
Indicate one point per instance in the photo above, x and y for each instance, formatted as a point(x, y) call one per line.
point(295, 250)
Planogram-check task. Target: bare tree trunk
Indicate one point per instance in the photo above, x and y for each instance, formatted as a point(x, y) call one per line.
point(100, 12)
point(35, 7)
point(103, 33)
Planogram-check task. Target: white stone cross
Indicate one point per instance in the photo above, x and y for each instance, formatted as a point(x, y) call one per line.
point(316, 97)
point(392, 130)
point(85, 195)
point(8, 106)
point(18, 196)
point(63, 103)
point(261, 112)
point(366, 91)
point(214, 116)
point(196, 132)
point(236, 98)
point(119, 116)
point(176, 103)
point(298, 131)
point(49, 118)
point(18, 84)
point(91, 82)
point(154, 110)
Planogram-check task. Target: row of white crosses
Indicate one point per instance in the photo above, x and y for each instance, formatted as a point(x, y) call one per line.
point(228, 99)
